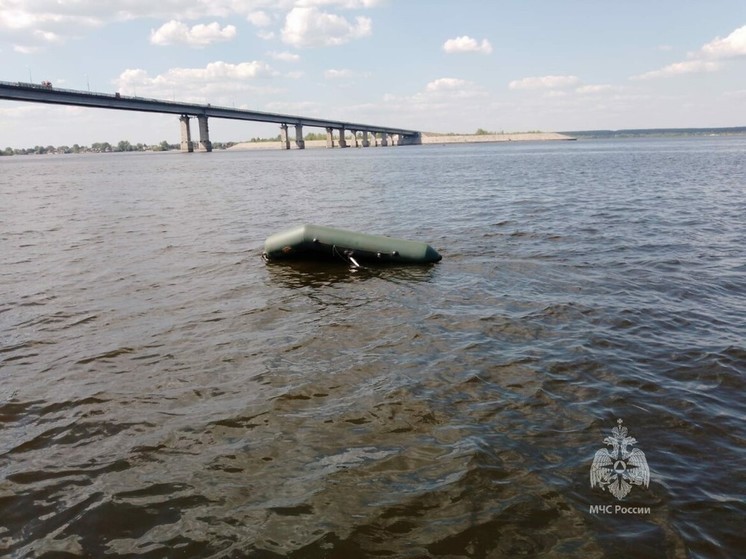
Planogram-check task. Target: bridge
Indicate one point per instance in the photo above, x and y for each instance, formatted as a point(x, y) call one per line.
point(45, 93)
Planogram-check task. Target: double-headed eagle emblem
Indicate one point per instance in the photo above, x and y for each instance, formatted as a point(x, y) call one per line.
point(619, 469)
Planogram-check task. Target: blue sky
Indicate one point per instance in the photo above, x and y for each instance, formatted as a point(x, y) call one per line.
point(443, 66)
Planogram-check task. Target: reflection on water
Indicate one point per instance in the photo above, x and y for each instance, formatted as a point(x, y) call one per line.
point(314, 274)
point(164, 392)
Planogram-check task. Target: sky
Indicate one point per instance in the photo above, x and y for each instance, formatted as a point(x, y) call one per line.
point(429, 65)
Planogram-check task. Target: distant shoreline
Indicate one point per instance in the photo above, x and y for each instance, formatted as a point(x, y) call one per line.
point(427, 139)
point(482, 138)
point(657, 132)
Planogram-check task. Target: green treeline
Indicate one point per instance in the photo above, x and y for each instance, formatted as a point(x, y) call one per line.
point(656, 132)
point(125, 145)
point(102, 147)
point(308, 137)
point(481, 132)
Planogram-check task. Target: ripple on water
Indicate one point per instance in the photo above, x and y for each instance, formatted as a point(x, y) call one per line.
point(163, 391)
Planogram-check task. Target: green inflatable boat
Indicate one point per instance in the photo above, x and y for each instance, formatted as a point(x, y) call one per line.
point(315, 241)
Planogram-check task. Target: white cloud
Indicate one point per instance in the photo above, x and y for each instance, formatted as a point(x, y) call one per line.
point(43, 16)
point(733, 45)
point(37, 14)
point(680, 68)
point(337, 74)
point(187, 9)
point(47, 36)
point(177, 33)
point(259, 19)
point(347, 4)
point(215, 77)
point(448, 91)
point(310, 27)
point(25, 49)
point(545, 82)
point(445, 95)
point(30, 24)
point(593, 89)
point(446, 84)
point(223, 70)
point(32, 27)
point(284, 56)
point(707, 59)
point(15, 19)
point(446, 104)
point(334, 74)
point(467, 44)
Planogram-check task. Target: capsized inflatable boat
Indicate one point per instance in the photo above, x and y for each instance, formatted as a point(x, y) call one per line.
point(315, 241)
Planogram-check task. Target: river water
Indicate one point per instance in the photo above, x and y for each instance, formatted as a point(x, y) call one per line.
point(166, 393)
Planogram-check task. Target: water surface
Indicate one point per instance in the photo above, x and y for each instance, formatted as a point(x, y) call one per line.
point(164, 392)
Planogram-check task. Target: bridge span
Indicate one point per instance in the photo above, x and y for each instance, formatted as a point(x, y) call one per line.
point(368, 134)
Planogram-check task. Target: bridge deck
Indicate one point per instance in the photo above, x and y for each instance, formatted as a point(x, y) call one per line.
point(33, 93)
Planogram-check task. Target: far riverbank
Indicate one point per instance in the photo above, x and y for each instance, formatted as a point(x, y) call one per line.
point(426, 139)
point(480, 138)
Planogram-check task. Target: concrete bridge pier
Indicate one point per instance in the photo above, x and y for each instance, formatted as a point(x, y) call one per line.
point(299, 141)
point(342, 140)
point(330, 137)
point(186, 134)
point(354, 138)
point(384, 139)
point(366, 142)
point(284, 138)
point(204, 134)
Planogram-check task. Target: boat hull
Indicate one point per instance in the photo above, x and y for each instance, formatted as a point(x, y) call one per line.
point(316, 241)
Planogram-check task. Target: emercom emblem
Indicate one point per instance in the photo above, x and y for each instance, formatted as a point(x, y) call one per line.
point(620, 468)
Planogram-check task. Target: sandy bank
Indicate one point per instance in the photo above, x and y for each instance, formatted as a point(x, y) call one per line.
point(277, 145)
point(426, 139)
point(473, 138)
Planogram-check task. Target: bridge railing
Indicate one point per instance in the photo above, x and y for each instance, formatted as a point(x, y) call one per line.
point(52, 88)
